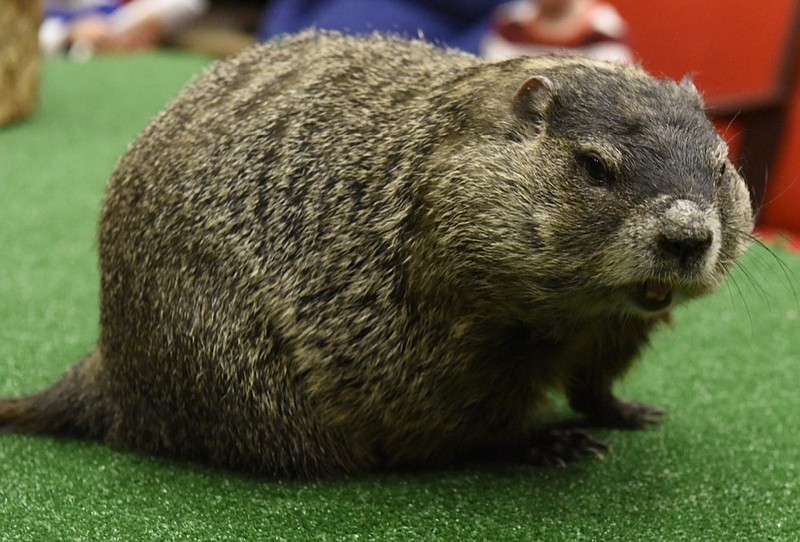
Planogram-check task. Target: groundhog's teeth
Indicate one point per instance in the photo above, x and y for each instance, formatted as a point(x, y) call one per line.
point(656, 291)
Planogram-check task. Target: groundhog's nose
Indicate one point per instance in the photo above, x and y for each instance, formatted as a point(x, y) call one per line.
point(686, 234)
point(687, 249)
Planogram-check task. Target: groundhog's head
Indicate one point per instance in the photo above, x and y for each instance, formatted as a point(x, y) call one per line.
point(591, 185)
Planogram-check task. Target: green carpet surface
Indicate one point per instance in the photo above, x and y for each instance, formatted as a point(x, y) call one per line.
point(724, 466)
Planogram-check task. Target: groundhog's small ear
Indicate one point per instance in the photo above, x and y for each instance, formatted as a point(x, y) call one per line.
point(687, 83)
point(534, 96)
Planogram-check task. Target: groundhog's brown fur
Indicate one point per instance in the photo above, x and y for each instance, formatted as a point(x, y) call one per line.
point(331, 253)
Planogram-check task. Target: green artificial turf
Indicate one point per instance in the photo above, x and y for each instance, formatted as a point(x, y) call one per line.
point(725, 465)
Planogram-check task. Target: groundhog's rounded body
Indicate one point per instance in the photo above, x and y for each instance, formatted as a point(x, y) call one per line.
point(335, 253)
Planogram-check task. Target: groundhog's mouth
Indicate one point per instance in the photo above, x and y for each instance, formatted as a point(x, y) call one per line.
point(652, 296)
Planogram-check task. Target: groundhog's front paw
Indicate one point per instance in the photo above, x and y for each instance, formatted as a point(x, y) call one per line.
point(618, 414)
point(557, 447)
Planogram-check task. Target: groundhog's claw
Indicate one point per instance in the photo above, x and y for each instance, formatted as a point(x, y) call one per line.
point(629, 415)
point(605, 410)
point(557, 447)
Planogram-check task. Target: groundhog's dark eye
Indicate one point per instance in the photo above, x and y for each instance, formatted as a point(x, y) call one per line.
point(596, 169)
point(723, 169)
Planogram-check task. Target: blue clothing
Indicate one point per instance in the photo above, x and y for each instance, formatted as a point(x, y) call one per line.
point(67, 14)
point(454, 23)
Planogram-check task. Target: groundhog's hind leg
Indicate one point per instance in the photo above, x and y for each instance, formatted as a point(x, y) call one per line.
point(557, 446)
point(70, 407)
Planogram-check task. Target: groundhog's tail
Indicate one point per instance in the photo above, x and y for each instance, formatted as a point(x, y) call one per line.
point(70, 407)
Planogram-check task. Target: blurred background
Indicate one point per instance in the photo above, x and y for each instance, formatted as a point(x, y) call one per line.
point(742, 55)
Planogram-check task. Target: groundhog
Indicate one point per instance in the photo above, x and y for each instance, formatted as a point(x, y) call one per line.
point(334, 254)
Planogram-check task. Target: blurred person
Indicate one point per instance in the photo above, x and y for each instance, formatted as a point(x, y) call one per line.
point(453, 23)
point(82, 27)
point(533, 27)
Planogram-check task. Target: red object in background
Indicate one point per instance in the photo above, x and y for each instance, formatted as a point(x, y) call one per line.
point(781, 206)
point(743, 56)
point(732, 48)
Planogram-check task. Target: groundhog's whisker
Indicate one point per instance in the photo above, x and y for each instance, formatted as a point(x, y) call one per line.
point(786, 272)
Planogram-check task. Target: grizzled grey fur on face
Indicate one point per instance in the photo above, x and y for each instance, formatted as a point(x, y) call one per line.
point(331, 254)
